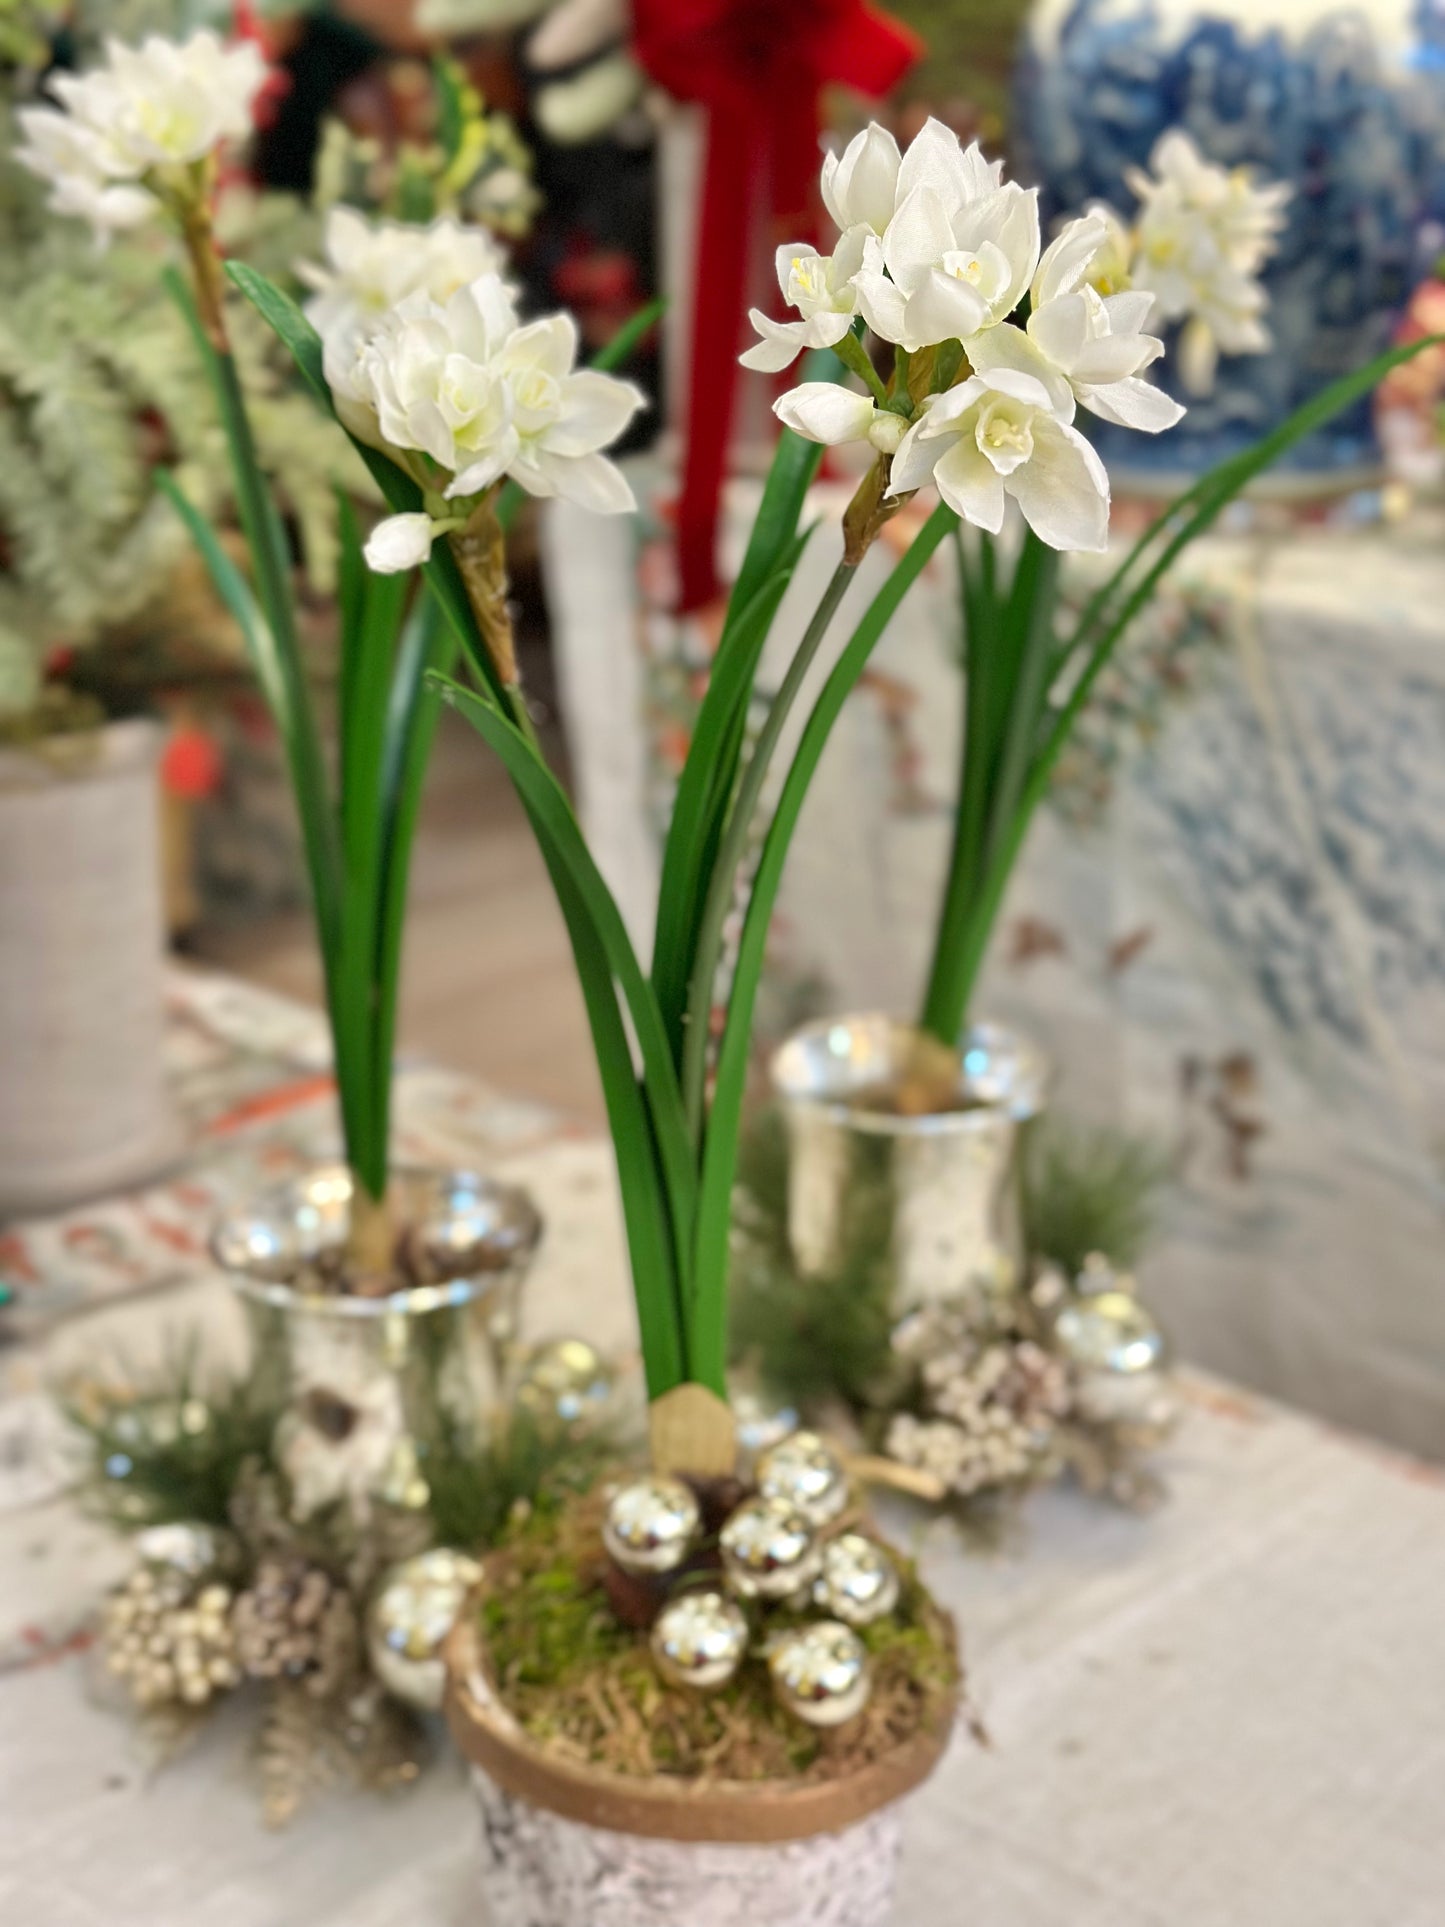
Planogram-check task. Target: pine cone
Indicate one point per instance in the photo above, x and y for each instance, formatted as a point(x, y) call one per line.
point(297, 1623)
point(169, 1641)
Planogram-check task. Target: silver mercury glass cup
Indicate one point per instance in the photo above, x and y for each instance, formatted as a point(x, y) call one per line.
point(948, 1179)
point(367, 1383)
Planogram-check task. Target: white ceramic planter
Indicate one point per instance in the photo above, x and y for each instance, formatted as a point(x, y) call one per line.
point(84, 1107)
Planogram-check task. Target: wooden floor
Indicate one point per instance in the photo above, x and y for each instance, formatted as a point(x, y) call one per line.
point(487, 984)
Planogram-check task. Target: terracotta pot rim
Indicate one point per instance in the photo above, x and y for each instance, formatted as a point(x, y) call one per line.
point(1031, 1096)
point(759, 1813)
point(264, 1286)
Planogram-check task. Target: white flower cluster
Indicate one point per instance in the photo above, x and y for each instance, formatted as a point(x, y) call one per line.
point(1202, 235)
point(448, 380)
point(371, 266)
point(936, 248)
point(122, 132)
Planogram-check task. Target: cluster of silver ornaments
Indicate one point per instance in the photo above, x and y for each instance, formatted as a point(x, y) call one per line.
point(413, 1611)
point(779, 1549)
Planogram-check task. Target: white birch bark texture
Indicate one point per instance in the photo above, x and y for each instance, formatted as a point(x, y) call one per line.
point(541, 1870)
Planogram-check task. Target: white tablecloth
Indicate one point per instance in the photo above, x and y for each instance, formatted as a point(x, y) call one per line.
point(1230, 1714)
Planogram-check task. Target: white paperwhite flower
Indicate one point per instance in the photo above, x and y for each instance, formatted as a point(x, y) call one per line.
point(371, 266)
point(821, 288)
point(125, 128)
point(1202, 235)
point(462, 385)
point(402, 542)
point(821, 411)
point(996, 435)
point(860, 185)
point(1082, 345)
point(565, 417)
point(954, 267)
point(938, 160)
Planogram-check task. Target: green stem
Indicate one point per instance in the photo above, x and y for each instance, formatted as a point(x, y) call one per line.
point(708, 950)
point(942, 1005)
point(709, 1341)
point(851, 352)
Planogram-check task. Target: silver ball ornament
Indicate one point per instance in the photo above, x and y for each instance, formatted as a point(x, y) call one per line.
point(820, 1673)
point(409, 1619)
point(807, 1474)
point(768, 1549)
point(699, 1639)
point(651, 1524)
point(859, 1581)
point(565, 1382)
point(187, 1547)
point(1109, 1331)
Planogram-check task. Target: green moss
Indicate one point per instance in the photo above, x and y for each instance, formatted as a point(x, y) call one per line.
point(580, 1680)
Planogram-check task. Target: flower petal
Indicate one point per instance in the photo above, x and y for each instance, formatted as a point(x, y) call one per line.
point(591, 481)
point(1063, 491)
point(821, 411)
point(881, 303)
point(596, 408)
point(913, 462)
point(1132, 404)
point(781, 343)
point(860, 186)
point(970, 485)
point(1066, 261)
point(1008, 351)
point(918, 237)
point(937, 160)
point(943, 307)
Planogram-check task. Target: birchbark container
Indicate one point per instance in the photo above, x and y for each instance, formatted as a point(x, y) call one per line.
point(565, 1844)
point(84, 1103)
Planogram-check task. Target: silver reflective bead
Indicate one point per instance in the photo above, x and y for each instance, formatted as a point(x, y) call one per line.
point(1109, 1332)
point(768, 1549)
point(807, 1474)
point(565, 1382)
point(820, 1673)
point(651, 1525)
point(859, 1582)
point(410, 1618)
point(699, 1639)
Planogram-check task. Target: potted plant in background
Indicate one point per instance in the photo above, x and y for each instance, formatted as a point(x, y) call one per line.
point(997, 343)
point(98, 389)
point(374, 1290)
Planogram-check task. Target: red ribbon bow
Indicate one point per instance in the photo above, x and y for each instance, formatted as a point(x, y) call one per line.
point(758, 66)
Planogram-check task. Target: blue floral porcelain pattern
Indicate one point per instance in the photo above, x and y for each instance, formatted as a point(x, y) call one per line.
point(1357, 129)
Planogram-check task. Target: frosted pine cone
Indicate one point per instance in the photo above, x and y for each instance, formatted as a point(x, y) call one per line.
point(296, 1622)
point(168, 1643)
